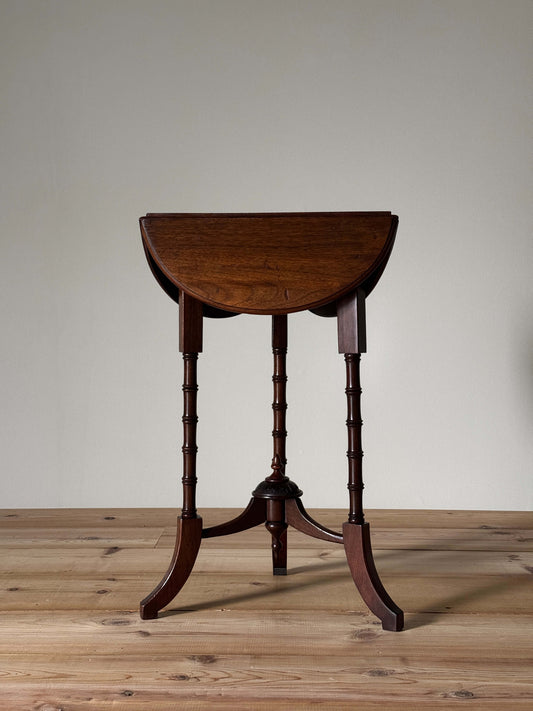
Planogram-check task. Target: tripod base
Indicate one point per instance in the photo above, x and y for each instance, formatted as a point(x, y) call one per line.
point(277, 514)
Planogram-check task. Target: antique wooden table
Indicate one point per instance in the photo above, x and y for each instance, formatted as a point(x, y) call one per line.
point(220, 265)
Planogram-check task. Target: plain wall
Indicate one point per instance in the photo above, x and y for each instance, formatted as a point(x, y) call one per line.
point(114, 108)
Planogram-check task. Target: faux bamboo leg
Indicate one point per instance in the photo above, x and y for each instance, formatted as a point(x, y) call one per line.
point(189, 530)
point(354, 424)
point(275, 522)
point(279, 403)
point(356, 533)
point(351, 323)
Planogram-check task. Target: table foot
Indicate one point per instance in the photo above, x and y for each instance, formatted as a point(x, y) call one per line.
point(278, 530)
point(361, 561)
point(188, 539)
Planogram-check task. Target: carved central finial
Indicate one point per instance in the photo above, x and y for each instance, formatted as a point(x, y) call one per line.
point(277, 469)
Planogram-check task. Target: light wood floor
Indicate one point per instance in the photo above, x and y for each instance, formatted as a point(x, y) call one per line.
point(238, 638)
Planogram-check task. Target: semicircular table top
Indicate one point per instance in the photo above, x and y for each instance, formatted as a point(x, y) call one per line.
point(268, 263)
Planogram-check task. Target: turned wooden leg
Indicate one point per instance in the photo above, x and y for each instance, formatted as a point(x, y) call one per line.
point(279, 403)
point(356, 533)
point(188, 539)
point(355, 452)
point(189, 531)
point(275, 522)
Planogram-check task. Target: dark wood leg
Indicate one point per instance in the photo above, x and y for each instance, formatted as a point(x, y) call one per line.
point(275, 508)
point(189, 532)
point(356, 533)
point(351, 322)
point(279, 403)
point(365, 576)
point(270, 496)
point(188, 539)
point(354, 424)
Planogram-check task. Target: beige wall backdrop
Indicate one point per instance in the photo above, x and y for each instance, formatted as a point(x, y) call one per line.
point(114, 108)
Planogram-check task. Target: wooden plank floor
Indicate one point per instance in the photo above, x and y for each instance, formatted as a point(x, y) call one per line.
point(238, 638)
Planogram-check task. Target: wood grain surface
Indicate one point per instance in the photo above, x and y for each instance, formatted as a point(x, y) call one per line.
point(237, 637)
point(268, 263)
